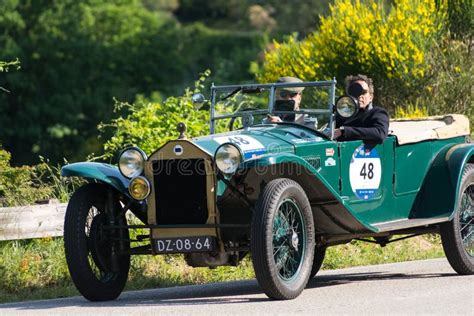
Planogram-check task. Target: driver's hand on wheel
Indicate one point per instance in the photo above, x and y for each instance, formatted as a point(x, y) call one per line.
point(273, 119)
point(337, 133)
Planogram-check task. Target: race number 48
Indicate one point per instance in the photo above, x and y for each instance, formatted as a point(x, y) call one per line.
point(367, 170)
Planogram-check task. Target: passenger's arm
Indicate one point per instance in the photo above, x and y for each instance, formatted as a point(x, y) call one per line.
point(377, 129)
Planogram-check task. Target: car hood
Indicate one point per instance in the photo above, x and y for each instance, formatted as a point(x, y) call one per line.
point(260, 140)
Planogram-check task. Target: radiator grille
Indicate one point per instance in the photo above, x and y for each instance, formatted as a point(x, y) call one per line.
point(180, 191)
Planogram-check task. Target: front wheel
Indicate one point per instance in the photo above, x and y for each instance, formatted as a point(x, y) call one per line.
point(282, 239)
point(457, 235)
point(97, 270)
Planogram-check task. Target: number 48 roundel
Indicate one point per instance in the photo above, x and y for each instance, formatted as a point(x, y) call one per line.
point(365, 172)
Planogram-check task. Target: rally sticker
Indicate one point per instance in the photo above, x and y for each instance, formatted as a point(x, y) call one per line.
point(330, 162)
point(329, 152)
point(249, 145)
point(365, 172)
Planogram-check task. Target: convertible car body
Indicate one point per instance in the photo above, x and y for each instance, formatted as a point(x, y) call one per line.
point(282, 192)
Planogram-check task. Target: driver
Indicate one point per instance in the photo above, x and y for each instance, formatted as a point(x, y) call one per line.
point(370, 124)
point(291, 94)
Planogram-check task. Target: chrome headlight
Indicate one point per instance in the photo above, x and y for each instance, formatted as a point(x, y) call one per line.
point(139, 188)
point(228, 157)
point(131, 162)
point(347, 106)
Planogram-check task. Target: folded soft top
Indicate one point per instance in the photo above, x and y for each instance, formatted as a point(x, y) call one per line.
point(433, 127)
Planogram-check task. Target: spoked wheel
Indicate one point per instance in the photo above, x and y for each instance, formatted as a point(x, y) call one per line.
point(282, 239)
point(89, 247)
point(458, 235)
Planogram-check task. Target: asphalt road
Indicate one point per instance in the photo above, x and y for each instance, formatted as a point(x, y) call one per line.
point(417, 287)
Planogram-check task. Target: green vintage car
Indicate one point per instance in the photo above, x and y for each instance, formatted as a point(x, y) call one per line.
point(282, 192)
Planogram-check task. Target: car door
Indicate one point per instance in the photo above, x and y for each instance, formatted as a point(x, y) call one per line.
point(366, 180)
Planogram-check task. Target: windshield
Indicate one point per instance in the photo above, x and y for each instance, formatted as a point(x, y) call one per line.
point(308, 104)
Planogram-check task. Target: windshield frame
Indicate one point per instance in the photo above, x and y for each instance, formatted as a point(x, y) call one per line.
point(271, 99)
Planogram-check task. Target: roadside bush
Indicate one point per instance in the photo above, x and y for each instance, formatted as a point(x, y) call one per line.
point(21, 185)
point(360, 37)
point(27, 184)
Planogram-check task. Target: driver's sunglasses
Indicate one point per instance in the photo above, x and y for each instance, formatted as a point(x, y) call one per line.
point(285, 94)
point(362, 92)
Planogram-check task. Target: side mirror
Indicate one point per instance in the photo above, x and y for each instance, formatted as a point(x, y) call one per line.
point(198, 100)
point(347, 106)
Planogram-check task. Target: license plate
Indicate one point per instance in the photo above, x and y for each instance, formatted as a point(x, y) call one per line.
point(185, 244)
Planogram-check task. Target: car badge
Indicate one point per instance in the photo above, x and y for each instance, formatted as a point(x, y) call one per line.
point(329, 152)
point(178, 150)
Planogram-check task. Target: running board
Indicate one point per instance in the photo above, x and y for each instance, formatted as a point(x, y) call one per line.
point(408, 223)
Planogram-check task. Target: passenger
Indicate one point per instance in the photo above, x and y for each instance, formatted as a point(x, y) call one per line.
point(370, 124)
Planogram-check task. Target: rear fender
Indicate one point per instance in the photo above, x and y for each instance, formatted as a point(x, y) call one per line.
point(457, 157)
point(439, 192)
point(98, 171)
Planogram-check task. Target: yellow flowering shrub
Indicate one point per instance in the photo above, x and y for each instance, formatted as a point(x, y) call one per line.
point(411, 111)
point(361, 37)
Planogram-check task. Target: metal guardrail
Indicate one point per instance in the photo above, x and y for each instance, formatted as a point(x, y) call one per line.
point(32, 221)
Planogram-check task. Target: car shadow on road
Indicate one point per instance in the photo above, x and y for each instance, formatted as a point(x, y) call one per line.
point(231, 292)
point(339, 279)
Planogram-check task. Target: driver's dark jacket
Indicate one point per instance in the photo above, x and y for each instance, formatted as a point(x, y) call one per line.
point(369, 124)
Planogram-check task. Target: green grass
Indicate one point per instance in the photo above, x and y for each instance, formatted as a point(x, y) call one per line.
point(36, 269)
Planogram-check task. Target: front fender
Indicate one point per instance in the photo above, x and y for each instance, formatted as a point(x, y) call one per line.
point(98, 171)
point(332, 213)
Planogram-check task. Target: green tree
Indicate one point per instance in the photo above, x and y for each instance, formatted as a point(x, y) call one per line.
point(78, 55)
point(275, 17)
point(5, 65)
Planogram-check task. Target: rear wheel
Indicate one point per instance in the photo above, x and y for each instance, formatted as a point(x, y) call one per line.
point(458, 235)
point(97, 272)
point(282, 239)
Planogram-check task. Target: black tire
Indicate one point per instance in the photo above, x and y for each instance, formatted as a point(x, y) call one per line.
point(282, 219)
point(88, 248)
point(457, 245)
point(319, 254)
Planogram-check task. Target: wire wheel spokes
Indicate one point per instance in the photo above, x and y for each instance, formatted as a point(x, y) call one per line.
point(289, 238)
point(466, 219)
point(93, 212)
